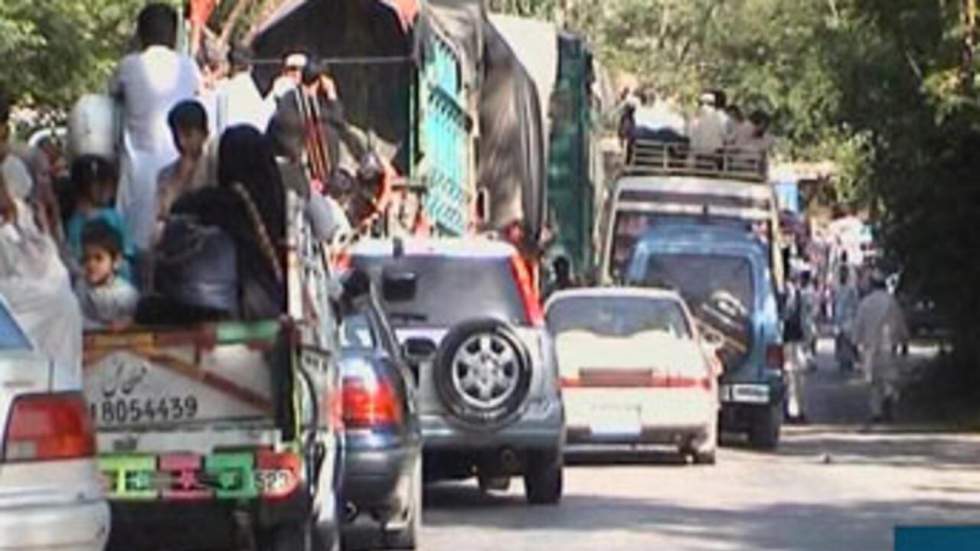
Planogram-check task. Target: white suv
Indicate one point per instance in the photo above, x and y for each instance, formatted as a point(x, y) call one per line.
point(50, 495)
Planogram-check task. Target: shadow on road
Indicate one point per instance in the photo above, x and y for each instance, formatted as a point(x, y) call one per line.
point(889, 446)
point(617, 457)
point(778, 525)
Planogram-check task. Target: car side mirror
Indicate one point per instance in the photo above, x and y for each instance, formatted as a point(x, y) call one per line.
point(399, 286)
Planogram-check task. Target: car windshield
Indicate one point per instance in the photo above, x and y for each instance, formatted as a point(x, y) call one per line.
point(11, 335)
point(618, 316)
point(356, 332)
point(451, 290)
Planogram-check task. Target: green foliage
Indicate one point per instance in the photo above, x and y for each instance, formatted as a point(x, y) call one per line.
point(55, 51)
point(881, 87)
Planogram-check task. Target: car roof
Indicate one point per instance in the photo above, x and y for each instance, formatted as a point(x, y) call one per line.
point(614, 292)
point(470, 247)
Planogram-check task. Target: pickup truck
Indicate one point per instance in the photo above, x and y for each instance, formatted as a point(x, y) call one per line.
point(228, 434)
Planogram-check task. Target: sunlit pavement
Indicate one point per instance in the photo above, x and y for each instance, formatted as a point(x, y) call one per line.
point(833, 485)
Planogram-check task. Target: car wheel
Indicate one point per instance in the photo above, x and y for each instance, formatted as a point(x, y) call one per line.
point(408, 537)
point(764, 433)
point(543, 478)
point(704, 452)
point(483, 373)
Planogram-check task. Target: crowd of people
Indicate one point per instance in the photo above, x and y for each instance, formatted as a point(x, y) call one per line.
point(716, 124)
point(186, 219)
point(867, 324)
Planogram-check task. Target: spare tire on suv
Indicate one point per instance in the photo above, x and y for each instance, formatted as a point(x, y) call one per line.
point(482, 373)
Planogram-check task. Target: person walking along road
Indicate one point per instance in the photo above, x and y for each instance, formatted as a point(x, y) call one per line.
point(846, 301)
point(879, 331)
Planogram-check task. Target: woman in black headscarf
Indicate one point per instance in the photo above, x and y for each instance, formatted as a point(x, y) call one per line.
point(249, 205)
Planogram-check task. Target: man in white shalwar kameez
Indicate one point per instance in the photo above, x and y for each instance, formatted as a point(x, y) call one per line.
point(149, 83)
point(879, 330)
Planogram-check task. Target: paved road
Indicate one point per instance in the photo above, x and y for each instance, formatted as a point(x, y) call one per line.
point(837, 486)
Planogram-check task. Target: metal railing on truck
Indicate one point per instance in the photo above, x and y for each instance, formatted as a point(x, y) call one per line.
point(657, 158)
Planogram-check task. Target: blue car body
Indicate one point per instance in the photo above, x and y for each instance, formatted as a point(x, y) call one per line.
point(753, 385)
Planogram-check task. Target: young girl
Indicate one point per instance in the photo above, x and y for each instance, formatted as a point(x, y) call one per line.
point(94, 180)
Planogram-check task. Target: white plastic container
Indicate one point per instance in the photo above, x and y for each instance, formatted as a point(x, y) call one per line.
point(93, 127)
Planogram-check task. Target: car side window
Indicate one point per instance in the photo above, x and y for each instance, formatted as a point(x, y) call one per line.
point(356, 331)
point(12, 337)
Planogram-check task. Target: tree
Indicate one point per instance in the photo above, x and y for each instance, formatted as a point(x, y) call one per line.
point(56, 51)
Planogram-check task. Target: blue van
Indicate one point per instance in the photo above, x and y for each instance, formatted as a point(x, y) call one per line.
point(724, 275)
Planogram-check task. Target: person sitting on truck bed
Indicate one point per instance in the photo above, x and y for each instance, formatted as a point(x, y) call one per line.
point(249, 205)
point(707, 131)
point(106, 298)
point(286, 132)
point(760, 141)
point(94, 180)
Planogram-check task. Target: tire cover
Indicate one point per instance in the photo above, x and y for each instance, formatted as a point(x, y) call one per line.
point(468, 414)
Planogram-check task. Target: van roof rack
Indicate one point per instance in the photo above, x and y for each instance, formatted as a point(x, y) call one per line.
point(657, 158)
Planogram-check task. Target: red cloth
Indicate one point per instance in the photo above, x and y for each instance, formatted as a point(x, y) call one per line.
point(201, 11)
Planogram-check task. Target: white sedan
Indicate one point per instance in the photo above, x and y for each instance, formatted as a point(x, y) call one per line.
point(50, 494)
point(634, 371)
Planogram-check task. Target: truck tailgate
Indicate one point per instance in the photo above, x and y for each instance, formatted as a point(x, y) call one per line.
point(169, 380)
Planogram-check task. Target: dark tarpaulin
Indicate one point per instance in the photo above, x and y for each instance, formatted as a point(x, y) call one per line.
point(375, 95)
point(512, 162)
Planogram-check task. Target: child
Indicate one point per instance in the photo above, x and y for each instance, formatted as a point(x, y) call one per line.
point(106, 299)
point(94, 179)
point(196, 167)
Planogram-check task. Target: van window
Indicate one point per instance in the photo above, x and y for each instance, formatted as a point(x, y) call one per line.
point(356, 332)
point(719, 291)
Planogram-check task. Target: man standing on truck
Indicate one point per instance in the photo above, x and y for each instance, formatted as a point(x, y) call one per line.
point(149, 83)
point(238, 99)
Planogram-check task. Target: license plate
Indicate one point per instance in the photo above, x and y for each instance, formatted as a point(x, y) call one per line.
point(616, 421)
point(124, 411)
point(127, 390)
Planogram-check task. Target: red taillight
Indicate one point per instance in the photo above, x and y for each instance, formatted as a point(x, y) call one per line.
point(774, 357)
point(277, 475)
point(369, 404)
point(45, 427)
point(529, 296)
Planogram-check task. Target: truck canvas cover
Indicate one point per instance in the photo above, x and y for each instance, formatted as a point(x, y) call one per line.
point(512, 164)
